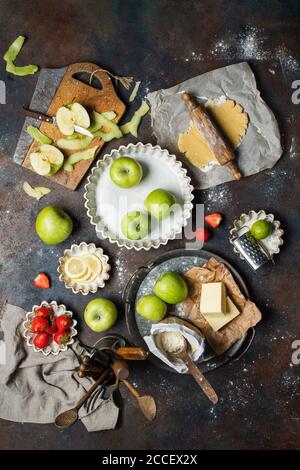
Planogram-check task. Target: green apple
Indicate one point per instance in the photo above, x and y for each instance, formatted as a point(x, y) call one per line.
point(151, 308)
point(135, 225)
point(126, 172)
point(100, 314)
point(53, 225)
point(171, 288)
point(159, 202)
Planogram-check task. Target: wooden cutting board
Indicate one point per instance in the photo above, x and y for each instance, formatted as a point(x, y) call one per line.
point(71, 89)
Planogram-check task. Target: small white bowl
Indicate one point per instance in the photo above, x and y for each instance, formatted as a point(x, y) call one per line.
point(53, 347)
point(271, 243)
point(80, 250)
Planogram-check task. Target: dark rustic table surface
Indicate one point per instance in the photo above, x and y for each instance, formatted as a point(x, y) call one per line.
point(163, 43)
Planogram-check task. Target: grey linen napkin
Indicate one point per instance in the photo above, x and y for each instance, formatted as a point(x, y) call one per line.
point(35, 388)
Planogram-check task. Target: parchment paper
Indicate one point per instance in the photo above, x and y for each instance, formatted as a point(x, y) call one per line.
point(259, 149)
point(191, 334)
point(221, 340)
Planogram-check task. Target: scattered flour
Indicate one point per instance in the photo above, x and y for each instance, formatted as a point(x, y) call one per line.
point(250, 44)
point(121, 272)
point(220, 194)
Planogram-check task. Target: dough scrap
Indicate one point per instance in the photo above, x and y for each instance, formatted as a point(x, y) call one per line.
point(231, 119)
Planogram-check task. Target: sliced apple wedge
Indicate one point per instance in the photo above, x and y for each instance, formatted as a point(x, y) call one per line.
point(65, 122)
point(67, 117)
point(40, 163)
point(80, 115)
point(47, 160)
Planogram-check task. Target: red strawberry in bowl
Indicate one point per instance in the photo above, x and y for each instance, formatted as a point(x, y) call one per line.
point(45, 312)
point(41, 340)
point(61, 337)
point(38, 325)
point(52, 328)
point(63, 322)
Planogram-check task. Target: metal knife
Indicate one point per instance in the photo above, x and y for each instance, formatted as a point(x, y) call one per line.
point(52, 120)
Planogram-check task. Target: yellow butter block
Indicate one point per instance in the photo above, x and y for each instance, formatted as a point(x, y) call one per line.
point(213, 298)
point(217, 321)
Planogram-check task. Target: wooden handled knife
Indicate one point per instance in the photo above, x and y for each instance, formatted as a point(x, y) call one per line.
point(52, 120)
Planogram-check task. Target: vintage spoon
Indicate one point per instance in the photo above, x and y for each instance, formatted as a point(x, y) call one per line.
point(68, 418)
point(146, 403)
point(203, 383)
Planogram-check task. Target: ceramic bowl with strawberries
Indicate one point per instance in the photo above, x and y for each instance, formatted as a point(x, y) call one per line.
point(49, 328)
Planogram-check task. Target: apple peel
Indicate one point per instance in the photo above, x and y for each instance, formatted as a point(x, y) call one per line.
point(74, 144)
point(134, 91)
point(78, 156)
point(131, 127)
point(36, 134)
point(38, 192)
point(10, 56)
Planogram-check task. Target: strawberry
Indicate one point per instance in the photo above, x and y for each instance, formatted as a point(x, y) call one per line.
point(202, 234)
point(38, 325)
point(63, 322)
point(41, 340)
point(42, 281)
point(45, 312)
point(213, 220)
point(61, 337)
point(52, 328)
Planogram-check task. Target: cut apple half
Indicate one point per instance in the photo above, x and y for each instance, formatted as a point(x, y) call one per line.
point(80, 115)
point(67, 117)
point(47, 160)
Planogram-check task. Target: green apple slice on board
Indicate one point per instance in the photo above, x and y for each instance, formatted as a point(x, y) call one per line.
point(73, 114)
point(47, 160)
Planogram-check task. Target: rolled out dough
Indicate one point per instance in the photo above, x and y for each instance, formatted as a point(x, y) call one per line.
point(231, 119)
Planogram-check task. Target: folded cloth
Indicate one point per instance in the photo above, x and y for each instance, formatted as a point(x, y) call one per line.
point(35, 388)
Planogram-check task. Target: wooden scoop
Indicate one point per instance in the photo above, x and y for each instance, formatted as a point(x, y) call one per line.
point(203, 383)
point(211, 135)
point(146, 403)
point(68, 418)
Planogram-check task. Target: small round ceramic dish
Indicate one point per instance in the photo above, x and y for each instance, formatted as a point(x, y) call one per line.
point(107, 203)
point(270, 243)
point(86, 287)
point(53, 348)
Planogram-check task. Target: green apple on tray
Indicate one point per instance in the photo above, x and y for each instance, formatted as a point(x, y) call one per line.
point(170, 288)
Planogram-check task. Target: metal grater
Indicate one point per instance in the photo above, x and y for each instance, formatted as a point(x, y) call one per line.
point(252, 250)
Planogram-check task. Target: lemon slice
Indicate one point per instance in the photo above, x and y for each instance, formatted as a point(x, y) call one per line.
point(76, 268)
point(94, 263)
point(95, 266)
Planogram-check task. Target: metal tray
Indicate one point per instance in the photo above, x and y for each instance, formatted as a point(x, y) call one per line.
point(143, 280)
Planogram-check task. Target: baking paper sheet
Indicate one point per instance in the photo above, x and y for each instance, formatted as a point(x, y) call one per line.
point(260, 148)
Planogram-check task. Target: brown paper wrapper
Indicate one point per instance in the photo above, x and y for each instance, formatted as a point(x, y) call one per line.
point(221, 340)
